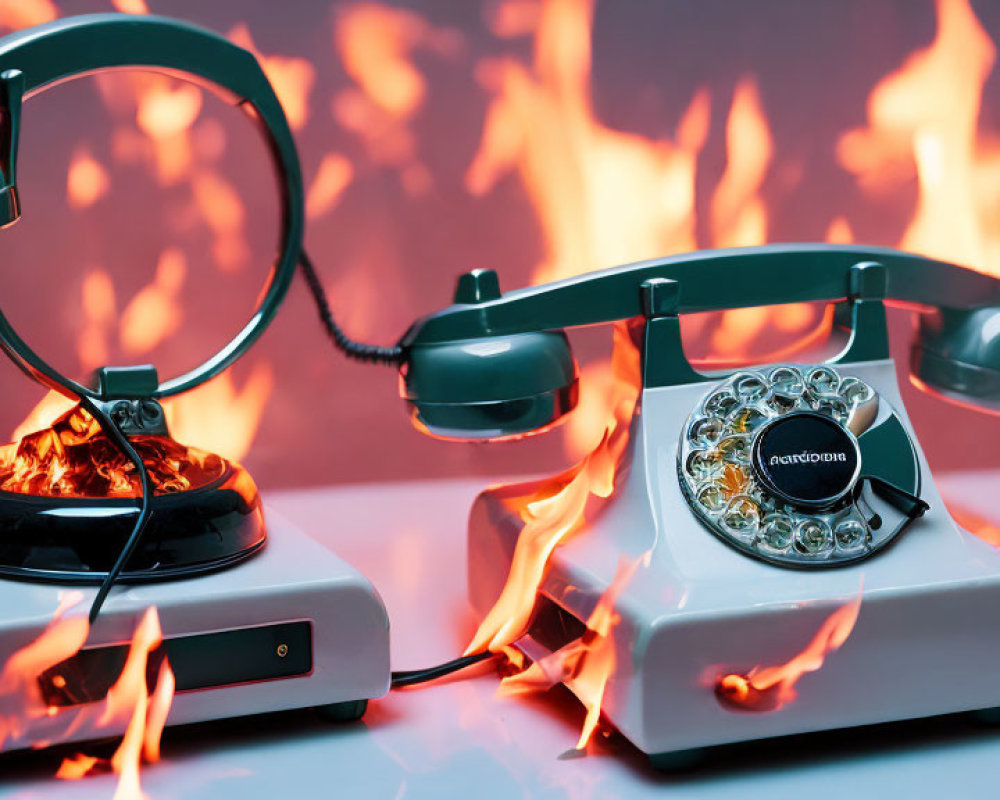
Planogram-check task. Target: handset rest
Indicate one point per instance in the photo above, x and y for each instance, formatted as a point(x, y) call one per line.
point(957, 352)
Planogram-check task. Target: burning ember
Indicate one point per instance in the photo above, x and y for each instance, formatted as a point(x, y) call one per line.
point(770, 688)
point(24, 713)
point(73, 458)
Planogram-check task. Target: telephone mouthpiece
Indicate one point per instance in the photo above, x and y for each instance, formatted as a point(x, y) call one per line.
point(490, 388)
point(957, 353)
point(10, 206)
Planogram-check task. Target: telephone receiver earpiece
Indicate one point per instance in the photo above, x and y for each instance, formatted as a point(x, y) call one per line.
point(492, 387)
point(494, 366)
point(957, 353)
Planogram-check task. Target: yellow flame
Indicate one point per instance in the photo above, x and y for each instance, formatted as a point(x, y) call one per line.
point(219, 417)
point(556, 510)
point(922, 120)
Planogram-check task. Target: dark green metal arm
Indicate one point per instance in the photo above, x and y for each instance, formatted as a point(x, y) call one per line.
point(709, 280)
point(39, 57)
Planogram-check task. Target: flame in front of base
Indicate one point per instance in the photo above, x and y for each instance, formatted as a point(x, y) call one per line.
point(24, 714)
point(770, 688)
point(556, 511)
point(21, 703)
point(552, 515)
point(586, 664)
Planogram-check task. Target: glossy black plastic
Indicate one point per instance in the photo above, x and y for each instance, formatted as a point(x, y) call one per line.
point(76, 540)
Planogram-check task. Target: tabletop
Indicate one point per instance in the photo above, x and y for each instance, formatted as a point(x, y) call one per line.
point(456, 737)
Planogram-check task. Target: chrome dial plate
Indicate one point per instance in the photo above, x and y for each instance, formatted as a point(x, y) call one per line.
point(723, 488)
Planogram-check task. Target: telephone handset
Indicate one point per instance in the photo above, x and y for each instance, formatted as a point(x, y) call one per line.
point(493, 365)
point(796, 465)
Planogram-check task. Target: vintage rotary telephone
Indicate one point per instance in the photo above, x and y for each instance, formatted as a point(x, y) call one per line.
point(736, 492)
point(808, 443)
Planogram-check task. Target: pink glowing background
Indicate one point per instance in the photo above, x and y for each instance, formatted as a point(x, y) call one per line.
point(537, 138)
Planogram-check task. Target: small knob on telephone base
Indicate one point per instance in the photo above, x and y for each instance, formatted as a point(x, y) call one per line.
point(477, 286)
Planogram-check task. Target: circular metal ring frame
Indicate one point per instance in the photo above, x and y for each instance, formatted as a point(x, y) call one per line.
point(38, 58)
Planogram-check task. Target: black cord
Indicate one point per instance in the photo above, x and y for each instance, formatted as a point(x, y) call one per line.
point(415, 676)
point(371, 353)
point(113, 432)
point(390, 356)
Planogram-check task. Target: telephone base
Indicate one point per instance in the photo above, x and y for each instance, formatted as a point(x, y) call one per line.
point(699, 609)
point(295, 627)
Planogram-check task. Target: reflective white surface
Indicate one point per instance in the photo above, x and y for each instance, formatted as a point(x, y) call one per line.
point(456, 738)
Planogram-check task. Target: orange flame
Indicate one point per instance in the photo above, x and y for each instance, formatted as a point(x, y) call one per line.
point(73, 458)
point(222, 209)
point(604, 196)
point(511, 18)
point(770, 688)
point(131, 6)
point(146, 714)
point(291, 77)
point(601, 196)
point(154, 313)
point(555, 512)
point(92, 346)
point(978, 526)
point(333, 176)
point(22, 705)
point(376, 43)
point(86, 181)
point(21, 701)
point(585, 665)
point(17, 14)
point(220, 417)
point(46, 411)
point(165, 111)
point(738, 214)
point(922, 120)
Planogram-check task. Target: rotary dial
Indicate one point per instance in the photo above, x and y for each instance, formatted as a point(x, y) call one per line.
point(771, 460)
